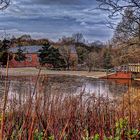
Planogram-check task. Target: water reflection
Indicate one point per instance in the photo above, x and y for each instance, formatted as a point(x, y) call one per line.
point(22, 88)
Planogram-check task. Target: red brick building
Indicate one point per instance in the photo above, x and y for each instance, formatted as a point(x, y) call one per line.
point(32, 59)
point(31, 53)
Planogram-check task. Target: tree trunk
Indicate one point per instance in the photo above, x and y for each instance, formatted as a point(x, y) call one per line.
point(68, 66)
point(90, 69)
point(5, 102)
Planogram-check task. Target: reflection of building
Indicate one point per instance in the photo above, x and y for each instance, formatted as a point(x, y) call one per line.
point(31, 53)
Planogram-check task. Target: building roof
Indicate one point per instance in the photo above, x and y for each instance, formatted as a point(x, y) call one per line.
point(26, 49)
point(36, 48)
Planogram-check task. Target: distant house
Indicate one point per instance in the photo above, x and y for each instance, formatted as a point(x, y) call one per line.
point(32, 59)
point(31, 53)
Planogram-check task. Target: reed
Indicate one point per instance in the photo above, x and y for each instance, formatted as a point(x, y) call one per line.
point(50, 116)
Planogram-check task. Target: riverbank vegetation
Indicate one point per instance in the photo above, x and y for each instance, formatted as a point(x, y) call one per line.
point(83, 116)
point(54, 115)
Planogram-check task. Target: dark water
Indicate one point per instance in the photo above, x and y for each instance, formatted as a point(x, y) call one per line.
point(23, 87)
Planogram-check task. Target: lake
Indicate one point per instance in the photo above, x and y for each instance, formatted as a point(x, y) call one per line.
point(52, 102)
point(23, 87)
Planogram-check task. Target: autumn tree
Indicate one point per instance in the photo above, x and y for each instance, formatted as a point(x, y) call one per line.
point(92, 60)
point(127, 33)
point(82, 54)
point(65, 51)
point(126, 28)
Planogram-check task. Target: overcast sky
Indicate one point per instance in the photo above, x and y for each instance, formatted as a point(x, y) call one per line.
point(55, 18)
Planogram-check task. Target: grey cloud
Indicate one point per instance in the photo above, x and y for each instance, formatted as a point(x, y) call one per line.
point(65, 2)
point(55, 18)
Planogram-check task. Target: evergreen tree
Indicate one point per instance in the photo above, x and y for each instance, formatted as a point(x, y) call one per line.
point(4, 52)
point(43, 53)
point(107, 59)
point(20, 56)
point(51, 55)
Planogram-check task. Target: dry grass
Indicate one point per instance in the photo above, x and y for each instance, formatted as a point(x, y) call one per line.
point(66, 117)
point(34, 71)
point(49, 116)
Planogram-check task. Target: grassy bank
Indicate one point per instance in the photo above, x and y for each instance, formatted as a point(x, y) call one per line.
point(34, 72)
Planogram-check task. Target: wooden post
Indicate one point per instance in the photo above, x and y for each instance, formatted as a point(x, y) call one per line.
point(5, 102)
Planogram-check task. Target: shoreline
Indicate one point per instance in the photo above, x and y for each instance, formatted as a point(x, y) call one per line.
point(34, 72)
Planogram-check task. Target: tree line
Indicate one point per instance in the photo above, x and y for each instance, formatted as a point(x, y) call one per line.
point(66, 53)
point(125, 43)
point(122, 49)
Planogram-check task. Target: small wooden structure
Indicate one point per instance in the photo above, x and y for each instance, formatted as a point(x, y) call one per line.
point(135, 67)
point(129, 71)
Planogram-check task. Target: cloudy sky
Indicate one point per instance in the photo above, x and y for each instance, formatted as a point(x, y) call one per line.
point(55, 18)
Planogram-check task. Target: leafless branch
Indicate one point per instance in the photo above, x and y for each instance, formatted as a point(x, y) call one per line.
point(4, 4)
point(115, 7)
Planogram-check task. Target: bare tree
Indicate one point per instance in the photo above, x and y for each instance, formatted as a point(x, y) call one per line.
point(118, 7)
point(78, 38)
point(115, 7)
point(127, 28)
point(66, 40)
point(82, 54)
point(92, 60)
point(65, 51)
point(4, 4)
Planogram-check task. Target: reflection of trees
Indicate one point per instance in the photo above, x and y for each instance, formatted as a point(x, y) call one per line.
point(131, 100)
point(106, 87)
point(21, 88)
point(54, 89)
point(1, 88)
point(117, 89)
point(134, 89)
point(60, 84)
